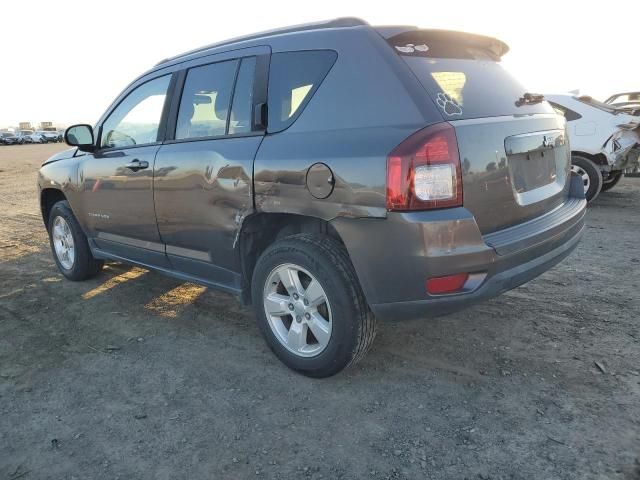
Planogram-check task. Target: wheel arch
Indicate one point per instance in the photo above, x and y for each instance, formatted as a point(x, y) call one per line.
point(48, 198)
point(599, 158)
point(261, 230)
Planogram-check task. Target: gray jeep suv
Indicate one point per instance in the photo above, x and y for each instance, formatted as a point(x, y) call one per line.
point(329, 174)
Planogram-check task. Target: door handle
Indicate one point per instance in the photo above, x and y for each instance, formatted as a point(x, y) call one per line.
point(136, 165)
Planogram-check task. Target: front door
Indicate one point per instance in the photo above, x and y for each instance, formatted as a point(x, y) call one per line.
point(203, 176)
point(116, 181)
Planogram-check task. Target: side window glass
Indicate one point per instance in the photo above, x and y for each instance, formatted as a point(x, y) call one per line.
point(240, 121)
point(293, 77)
point(558, 109)
point(206, 97)
point(570, 115)
point(136, 120)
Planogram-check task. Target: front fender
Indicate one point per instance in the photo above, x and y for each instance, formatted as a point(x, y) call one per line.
point(68, 153)
point(60, 175)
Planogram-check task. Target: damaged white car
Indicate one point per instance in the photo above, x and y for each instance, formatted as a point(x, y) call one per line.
point(604, 139)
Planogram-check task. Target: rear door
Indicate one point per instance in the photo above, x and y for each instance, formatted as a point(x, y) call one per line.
point(513, 149)
point(203, 172)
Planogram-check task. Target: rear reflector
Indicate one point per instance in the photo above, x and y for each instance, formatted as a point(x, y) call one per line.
point(448, 284)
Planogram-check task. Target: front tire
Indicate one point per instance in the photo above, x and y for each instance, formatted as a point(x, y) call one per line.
point(309, 305)
point(69, 245)
point(591, 176)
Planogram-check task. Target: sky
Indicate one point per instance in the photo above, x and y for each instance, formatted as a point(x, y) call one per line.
point(66, 61)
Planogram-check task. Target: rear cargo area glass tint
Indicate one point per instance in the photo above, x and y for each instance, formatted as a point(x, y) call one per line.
point(293, 78)
point(470, 88)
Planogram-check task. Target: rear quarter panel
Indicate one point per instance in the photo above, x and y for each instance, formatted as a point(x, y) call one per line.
point(367, 104)
point(588, 133)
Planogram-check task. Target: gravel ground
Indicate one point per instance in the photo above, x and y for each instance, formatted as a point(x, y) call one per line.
point(134, 375)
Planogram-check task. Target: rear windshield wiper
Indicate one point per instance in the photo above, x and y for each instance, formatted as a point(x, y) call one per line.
point(529, 99)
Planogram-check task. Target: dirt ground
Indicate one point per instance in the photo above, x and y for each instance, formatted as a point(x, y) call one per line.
point(133, 375)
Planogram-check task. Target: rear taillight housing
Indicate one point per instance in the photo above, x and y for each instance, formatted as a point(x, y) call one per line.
point(423, 172)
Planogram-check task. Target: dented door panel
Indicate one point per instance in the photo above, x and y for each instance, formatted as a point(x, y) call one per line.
point(202, 193)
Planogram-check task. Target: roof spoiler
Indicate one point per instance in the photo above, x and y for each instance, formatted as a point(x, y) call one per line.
point(409, 34)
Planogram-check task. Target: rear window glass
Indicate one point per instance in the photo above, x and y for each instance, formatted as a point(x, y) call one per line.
point(465, 82)
point(240, 121)
point(570, 115)
point(293, 78)
point(204, 106)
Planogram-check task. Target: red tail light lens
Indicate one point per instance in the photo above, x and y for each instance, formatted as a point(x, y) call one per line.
point(423, 172)
point(448, 284)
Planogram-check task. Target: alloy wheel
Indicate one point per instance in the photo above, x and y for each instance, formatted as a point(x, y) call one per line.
point(297, 310)
point(63, 243)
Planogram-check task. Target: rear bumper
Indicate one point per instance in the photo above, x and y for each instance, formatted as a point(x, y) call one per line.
point(500, 282)
point(394, 257)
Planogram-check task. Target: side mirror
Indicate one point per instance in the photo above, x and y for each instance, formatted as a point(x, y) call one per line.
point(80, 136)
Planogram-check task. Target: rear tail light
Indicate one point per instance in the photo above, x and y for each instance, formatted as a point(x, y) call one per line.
point(423, 172)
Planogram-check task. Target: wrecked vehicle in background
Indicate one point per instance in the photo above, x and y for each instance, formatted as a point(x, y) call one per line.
point(629, 102)
point(604, 140)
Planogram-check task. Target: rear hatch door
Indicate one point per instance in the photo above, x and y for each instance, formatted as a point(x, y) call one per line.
point(514, 153)
point(513, 168)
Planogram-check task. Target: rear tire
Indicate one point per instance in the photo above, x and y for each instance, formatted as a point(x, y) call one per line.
point(611, 182)
point(350, 326)
point(591, 176)
point(69, 245)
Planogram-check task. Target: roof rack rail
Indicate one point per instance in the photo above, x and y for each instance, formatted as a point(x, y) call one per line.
point(335, 23)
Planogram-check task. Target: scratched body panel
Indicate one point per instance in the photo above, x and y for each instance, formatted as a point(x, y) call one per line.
point(60, 172)
point(359, 172)
point(202, 193)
